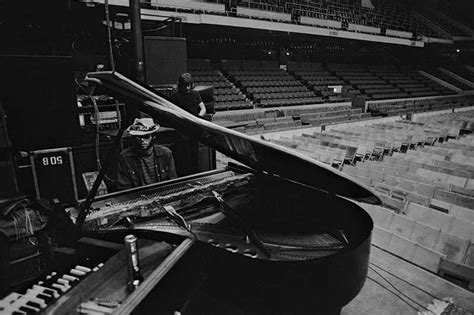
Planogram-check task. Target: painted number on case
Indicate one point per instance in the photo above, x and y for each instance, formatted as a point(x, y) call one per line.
point(52, 160)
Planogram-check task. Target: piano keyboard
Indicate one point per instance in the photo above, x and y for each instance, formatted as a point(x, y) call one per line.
point(37, 298)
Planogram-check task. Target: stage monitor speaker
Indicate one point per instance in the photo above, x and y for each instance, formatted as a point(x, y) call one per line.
point(39, 98)
point(165, 59)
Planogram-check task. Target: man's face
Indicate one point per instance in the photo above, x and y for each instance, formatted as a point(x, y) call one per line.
point(143, 142)
point(186, 87)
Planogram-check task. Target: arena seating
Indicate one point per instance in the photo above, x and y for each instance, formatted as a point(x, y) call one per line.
point(267, 85)
point(226, 95)
point(317, 78)
point(452, 27)
point(249, 84)
point(361, 79)
point(424, 173)
point(447, 78)
point(340, 114)
point(398, 107)
point(375, 82)
point(210, 7)
point(396, 15)
point(461, 71)
point(409, 81)
point(386, 18)
point(436, 87)
point(266, 120)
point(266, 10)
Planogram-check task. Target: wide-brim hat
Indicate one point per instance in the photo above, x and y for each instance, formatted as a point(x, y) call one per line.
point(143, 127)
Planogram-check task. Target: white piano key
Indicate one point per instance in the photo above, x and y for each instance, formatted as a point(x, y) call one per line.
point(43, 290)
point(66, 284)
point(7, 309)
point(70, 278)
point(21, 303)
point(29, 309)
point(45, 298)
point(83, 269)
point(10, 310)
point(63, 281)
point(12, 297)
point(31, 296)
point(76, 272)
point(52, 274)
point(60, 287)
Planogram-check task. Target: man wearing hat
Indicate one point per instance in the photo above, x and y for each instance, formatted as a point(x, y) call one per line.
point(144, 162)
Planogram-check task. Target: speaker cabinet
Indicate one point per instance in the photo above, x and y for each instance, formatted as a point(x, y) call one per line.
point(165, 59)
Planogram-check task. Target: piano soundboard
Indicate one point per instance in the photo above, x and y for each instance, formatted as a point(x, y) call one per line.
point(187, 196)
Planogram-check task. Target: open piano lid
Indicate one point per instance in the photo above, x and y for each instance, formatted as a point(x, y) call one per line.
point(259, 155)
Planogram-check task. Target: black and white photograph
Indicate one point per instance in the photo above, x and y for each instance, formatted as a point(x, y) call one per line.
point(184, 157)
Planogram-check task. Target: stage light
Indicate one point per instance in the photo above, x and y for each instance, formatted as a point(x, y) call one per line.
point(458, 50)
point(287, 53)
point(269, 52)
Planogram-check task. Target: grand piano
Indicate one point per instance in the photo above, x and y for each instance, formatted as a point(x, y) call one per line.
point(277, 232)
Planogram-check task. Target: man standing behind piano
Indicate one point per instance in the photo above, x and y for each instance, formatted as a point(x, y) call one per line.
point(188, 99)
point(144, 162)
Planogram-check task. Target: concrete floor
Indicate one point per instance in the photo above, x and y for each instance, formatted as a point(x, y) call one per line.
point(418, 284)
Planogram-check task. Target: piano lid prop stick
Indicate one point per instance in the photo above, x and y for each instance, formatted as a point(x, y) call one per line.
point(85, 205)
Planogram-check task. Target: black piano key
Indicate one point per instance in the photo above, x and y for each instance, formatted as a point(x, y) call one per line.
point(45, 297)
point(70, 278)
point(52, 277)
point(47, 289)
point(18, 313)
point(33, 304)
point(47, 282)
point(50, 291)
point(28, 310)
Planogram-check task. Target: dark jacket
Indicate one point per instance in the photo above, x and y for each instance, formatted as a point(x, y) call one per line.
point(188, 101)
point(129, 173)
